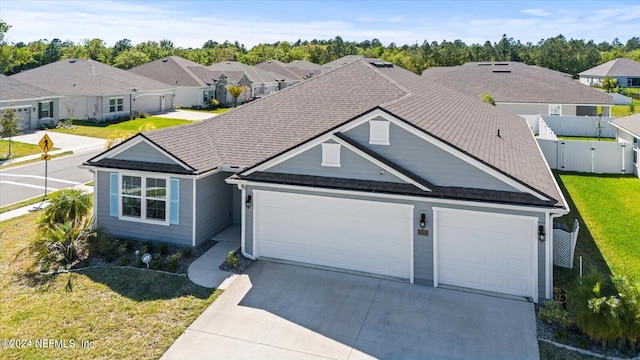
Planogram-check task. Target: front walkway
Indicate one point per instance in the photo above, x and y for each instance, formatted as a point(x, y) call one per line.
point(205, 272)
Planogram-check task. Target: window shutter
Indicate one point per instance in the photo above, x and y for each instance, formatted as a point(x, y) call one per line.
point(50, 108)
point(113, 194)
point(39, 110)
point(174, 203)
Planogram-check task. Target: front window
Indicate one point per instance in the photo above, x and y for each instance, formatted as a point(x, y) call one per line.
point(144, 198)
point(555, 110)
point(205, 97)
point(116, 104)
point(46, 110)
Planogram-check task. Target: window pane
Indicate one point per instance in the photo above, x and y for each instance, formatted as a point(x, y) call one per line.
point(131, 206)
point(112, 102)
point(157, 188)
point(131, 185)
point(156, 209)
point(120, 101)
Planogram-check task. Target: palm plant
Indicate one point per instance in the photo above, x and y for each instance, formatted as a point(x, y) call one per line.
point(71, 205)
point(235, 91)
point(64, 243)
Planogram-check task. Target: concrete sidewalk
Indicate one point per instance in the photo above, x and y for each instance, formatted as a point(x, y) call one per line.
point(205, 270)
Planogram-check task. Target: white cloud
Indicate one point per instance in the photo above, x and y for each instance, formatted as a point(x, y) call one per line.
point(536, 12)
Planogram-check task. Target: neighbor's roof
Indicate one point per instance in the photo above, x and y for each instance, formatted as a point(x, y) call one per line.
point(515, 82)
point(254, 74)
point(280, 68)
point(14, 90)
point(307, 66)
point(87, 77)
point(262, 129)
point(616, 67)
point(341, 61)
point(630, 124)
point(176, 71)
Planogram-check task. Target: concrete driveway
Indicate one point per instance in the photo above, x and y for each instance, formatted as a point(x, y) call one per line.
point(186, 115)
point(279, 311)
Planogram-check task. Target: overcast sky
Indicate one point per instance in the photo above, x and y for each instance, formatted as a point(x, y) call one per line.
point(192, 23)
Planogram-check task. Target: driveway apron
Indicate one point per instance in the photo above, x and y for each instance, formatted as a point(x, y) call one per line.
point(280, 311)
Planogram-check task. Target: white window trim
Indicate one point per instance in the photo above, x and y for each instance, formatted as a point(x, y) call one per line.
point(331, 154)
point(143, 197)
point(552, 106)
point(117, 99)
point(50, 113)
point(379, 132)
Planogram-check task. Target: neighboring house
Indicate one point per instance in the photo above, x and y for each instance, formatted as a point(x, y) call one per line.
point(385, 173)
point(347, 59)
point(524, 90)
point(259, 82)
point(290, 75)
point(194, 84)
point(626, 71)
point(93, 90)
point(34, 106)
point(306, 69)
point(628, 131)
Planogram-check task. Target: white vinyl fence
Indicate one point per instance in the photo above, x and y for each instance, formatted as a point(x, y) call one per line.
point(544, 131)
point(584, 126)
point(602, 157)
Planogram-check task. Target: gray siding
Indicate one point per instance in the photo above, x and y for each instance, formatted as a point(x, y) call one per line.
point(428, 161)
point(143, 152)
point(214, 206)
point(179, 234)
point(237, 205)
point(525, 109)
point(423, 245)
point(352, 166)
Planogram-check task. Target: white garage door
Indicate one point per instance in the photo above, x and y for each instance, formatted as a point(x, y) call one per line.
point(367, 236)
point(24, 117)
point(491, 252)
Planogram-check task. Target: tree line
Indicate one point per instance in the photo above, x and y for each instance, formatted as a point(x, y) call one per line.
point(558, 53)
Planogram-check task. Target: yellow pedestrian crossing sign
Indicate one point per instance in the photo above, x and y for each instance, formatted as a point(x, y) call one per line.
point(45, 157)
point(46, 143)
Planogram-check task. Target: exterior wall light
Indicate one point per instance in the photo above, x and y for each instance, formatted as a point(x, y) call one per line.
point(248, 201)
point(423, 220)
point(541, 233)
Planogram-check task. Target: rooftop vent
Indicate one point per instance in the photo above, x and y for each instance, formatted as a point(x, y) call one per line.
point(484, 64)
point(379, 63)
point(72, 61)
point(502, 71)
point(165, 60)
point(501, 64)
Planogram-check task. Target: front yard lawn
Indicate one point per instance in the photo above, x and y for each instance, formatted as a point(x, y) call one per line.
point(119, 313)
point(607, 208)
point(103, 130)
point(18, 149)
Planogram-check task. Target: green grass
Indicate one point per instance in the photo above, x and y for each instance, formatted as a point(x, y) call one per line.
point(65, 153)
point(18, 149)
point(216, 111)
point(608, 211)
point(585, 138)
point(126, 313)
point(103, 130)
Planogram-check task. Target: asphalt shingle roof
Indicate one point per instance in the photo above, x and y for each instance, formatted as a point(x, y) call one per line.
point(616, 67)
point(629, 123)
point(176, 71)
point(87, 77)
point(262, 129)
point(254, 74)
point(13, 89)
point(278, 67)
point(515, 82)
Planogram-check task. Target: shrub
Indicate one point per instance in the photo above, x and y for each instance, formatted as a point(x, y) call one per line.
point(163, 248)
point(488, 99)
point(117, 137)
point(214, 104)
point(233, 260)
point(156, 261)
point(148, 126)
point(122, 249)
point(632, 108)
point(173, 262)
point(553, 314)
point(144, 115)
point(64, 244)
point(123, 260)
point(149, 247)
point(187, 252)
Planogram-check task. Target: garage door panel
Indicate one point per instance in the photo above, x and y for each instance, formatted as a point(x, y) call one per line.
point(353, 234)
point(486, 251)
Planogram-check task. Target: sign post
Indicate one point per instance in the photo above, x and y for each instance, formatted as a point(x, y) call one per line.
point(45, 144)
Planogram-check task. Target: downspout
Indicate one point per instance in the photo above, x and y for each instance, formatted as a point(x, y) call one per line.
point(243, 232)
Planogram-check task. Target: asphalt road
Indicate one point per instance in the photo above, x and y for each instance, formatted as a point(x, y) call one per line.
point(27, 181)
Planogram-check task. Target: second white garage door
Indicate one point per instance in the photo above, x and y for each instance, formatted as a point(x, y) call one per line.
point(486, 251)
point(368, 236)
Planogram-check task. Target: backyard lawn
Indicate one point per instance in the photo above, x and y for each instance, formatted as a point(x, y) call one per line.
point(607, 207)
point(103, 130)
point(18, 149)
point(116, 313)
